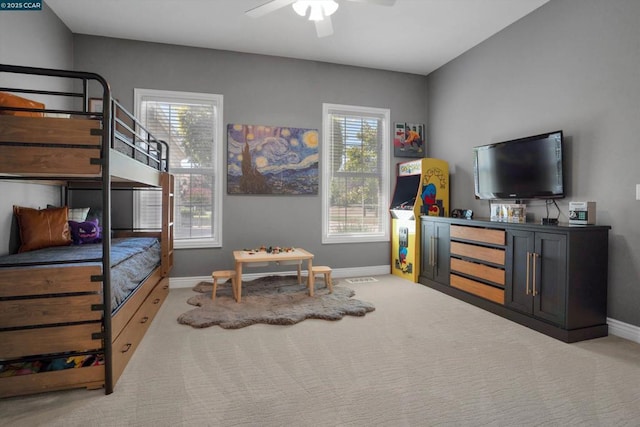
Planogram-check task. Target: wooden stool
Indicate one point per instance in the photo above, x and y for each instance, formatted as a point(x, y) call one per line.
point(224, 274)
point(323, 269)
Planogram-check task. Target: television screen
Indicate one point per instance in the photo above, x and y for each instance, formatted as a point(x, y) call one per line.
point(525, 168)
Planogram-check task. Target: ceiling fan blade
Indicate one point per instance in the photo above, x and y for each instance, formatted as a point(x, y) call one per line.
point(268, 7)
point(378, 2)
point(324, 28)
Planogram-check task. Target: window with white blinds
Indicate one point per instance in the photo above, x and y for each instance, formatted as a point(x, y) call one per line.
point(355, 181)
point(191, 123)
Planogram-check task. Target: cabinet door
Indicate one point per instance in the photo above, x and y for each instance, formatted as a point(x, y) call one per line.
point(550, 277)
point(435, 251)
point(518, 269)
point(442, 263)
point(427, 267)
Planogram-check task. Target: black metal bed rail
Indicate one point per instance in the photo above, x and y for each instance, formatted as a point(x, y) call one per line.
point(83, 77)
point(139, 139)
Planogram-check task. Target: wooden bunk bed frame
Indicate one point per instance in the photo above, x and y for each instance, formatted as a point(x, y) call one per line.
point(66, 310)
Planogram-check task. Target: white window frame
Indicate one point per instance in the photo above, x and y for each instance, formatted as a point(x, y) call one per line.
point(385, 114)
point(218, 167)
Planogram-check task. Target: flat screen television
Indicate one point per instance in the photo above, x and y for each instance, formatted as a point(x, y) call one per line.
point(524, 168)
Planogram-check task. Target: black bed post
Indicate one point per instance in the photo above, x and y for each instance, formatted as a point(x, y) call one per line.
point(106, 241)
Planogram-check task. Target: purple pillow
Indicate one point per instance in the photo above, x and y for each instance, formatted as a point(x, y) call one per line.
point(85, 232)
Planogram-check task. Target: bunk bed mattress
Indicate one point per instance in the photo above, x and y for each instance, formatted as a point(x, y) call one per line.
point(132, 260)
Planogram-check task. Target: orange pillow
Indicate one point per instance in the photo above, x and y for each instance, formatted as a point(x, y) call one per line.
point(42, 228)
point(10, 100)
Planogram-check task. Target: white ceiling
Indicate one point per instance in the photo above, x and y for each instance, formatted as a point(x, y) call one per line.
point(413, 36)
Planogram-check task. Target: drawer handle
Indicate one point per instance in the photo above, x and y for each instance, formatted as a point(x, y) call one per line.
point(145, 319)
point(165, 287)
point(126, 348)
point(156, 301)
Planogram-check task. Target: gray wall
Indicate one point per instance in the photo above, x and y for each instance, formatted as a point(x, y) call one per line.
point(259, 90)
point(38, 39)
point(571, 65)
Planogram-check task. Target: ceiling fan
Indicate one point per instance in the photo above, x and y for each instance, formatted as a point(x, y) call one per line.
point(319, 11)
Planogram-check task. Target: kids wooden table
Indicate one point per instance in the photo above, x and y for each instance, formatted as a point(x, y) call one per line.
point(296, 254)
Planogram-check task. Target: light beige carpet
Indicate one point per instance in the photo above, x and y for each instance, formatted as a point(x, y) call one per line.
point(421, 358)
point(274, 300)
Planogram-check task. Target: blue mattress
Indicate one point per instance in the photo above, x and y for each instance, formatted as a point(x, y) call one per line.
point(132, 260)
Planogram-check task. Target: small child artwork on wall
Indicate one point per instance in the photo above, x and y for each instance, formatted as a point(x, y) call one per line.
point(409, 140)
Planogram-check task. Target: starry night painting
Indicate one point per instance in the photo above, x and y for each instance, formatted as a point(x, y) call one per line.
point(271, 160)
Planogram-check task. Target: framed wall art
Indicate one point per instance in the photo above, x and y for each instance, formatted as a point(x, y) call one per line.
point(409, 140)
point(271, 160)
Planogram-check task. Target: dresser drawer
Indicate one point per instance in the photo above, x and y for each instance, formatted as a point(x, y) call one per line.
point(480, 289)
point(481, 271)
point(495, 256)
point(482, 235)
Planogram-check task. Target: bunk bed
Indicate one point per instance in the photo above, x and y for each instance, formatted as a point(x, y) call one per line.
point(67, 317)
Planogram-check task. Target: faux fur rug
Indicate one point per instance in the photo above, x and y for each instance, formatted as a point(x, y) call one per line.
point(276, 300)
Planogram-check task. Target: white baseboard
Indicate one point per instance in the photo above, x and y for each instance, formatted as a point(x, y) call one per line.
point(376, 270)
point(616, 327)
point(624, 330)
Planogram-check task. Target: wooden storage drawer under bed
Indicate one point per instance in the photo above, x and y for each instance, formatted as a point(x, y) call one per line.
point(122, 317)
point(127, 342)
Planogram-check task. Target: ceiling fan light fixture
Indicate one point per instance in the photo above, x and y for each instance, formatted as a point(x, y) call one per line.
point(319, 9)
point(329, 7)
point(316, 14)
point(300, 7)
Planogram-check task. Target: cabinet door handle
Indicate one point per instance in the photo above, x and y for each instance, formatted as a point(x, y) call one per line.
point(431, 255)
point(435, 251)
point(528, 274)
point(535, 266)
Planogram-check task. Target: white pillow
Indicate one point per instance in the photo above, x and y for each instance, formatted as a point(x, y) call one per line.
point(75, 214)
point(78, 214)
